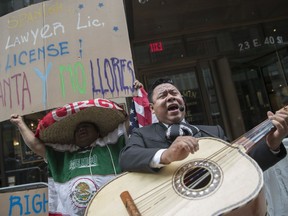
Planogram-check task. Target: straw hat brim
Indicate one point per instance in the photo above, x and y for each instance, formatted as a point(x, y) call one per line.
point(62, 131)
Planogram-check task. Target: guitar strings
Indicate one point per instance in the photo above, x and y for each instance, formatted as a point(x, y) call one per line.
point(249, 139)
point(162, 192)
point(149, 200)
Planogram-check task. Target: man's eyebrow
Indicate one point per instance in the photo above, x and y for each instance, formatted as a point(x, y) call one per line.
point(162, 91)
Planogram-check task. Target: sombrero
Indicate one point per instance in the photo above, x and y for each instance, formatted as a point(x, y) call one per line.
point(58, 126)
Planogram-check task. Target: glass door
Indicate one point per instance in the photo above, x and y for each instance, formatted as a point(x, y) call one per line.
point(261, 85)
point(251, 94)
point(275, 78)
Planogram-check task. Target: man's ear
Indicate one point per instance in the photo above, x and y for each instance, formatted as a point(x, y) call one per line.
point(151, 107)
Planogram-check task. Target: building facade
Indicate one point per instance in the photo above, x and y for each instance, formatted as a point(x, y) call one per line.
point(230, 77)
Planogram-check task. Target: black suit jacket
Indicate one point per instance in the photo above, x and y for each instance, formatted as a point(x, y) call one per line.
point(146, 141)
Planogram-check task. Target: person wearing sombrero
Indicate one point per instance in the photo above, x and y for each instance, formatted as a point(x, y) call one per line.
point(81, 142)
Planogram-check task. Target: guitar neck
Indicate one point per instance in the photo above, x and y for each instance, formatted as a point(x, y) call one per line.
point(252, 137)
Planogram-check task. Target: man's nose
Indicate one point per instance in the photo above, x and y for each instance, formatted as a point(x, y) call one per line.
point(81, 129)
point(171, 98)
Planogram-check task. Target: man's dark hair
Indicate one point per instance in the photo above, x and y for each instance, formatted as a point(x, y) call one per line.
point(155, 84)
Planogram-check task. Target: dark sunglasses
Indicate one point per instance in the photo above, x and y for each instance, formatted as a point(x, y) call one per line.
point(159, 82)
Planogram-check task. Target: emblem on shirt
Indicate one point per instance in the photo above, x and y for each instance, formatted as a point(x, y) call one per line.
point(82, 191)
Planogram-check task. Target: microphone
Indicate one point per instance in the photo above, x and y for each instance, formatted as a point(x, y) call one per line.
point(181, 108)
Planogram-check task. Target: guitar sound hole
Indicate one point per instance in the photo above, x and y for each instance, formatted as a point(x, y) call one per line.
point(197, 178)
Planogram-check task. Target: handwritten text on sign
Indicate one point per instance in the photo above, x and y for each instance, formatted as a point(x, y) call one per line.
point(57, 52)
point(27, 202)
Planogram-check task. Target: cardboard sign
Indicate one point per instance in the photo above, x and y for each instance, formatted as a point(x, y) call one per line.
point(24, 202)
point(58, 51)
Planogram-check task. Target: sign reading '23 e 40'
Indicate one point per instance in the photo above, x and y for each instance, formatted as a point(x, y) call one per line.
point(254, 43)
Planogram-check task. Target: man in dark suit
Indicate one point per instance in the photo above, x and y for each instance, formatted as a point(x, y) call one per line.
point(152, 147)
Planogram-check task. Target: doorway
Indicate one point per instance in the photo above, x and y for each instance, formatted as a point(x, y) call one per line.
point(261, 85)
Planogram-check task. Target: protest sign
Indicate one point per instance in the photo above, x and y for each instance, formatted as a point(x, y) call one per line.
point(57, 51)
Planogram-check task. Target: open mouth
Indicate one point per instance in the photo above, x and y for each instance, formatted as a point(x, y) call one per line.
point(82, 134)
point(173, 107)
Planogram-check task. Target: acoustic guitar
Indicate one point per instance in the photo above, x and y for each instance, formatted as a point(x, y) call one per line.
point(219, 179)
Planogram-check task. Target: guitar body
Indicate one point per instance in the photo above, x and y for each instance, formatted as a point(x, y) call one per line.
point(218, 179)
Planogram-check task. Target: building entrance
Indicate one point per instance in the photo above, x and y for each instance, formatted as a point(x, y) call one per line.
point(261, 85)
